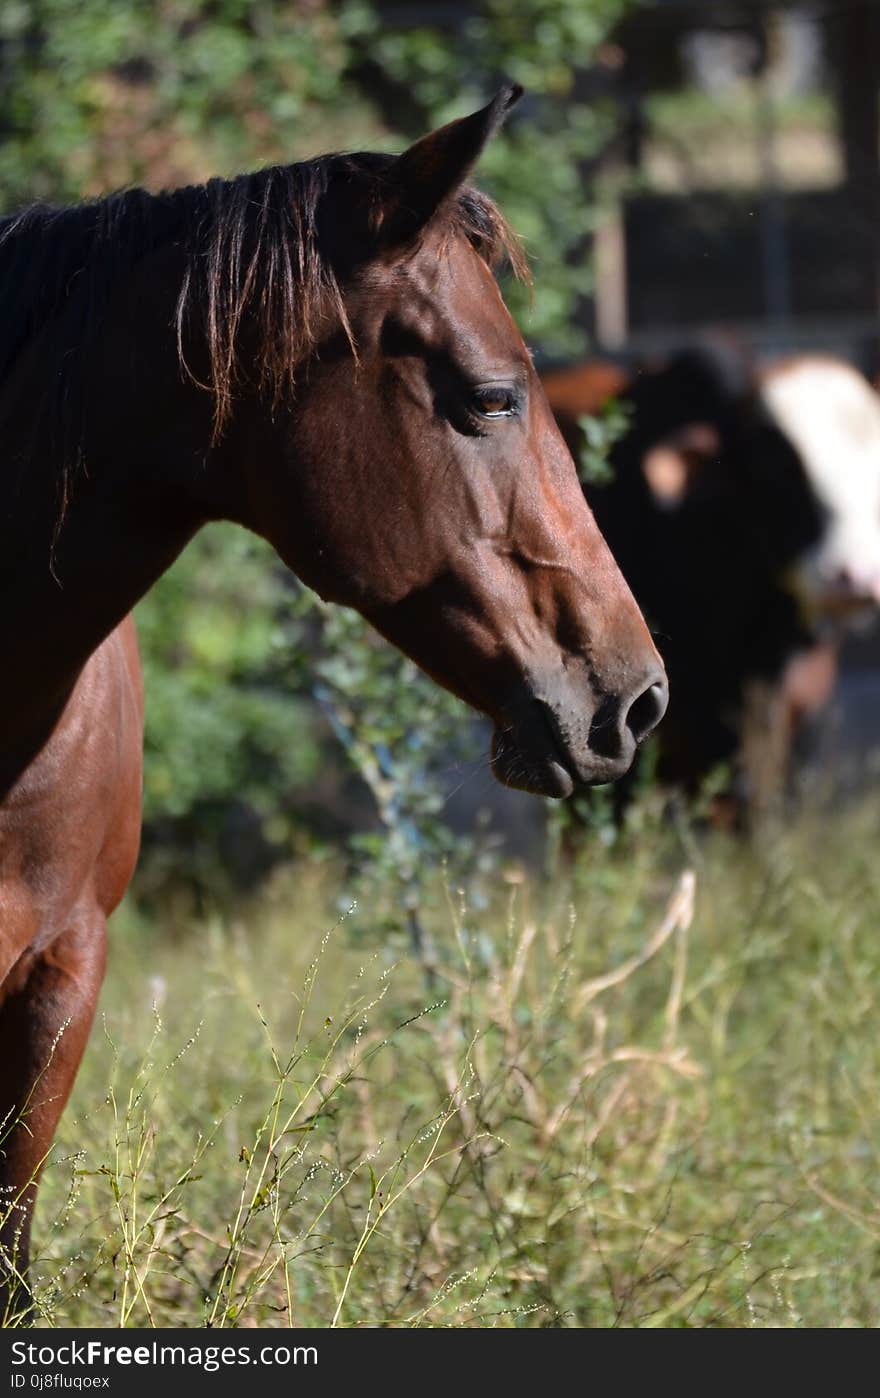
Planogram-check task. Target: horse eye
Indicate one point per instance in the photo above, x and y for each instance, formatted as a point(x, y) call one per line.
point(495, 401)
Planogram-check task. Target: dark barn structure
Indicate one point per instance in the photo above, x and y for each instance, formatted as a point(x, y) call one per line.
point(782, 262)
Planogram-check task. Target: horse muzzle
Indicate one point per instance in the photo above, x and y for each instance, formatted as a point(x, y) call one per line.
point(549, 745)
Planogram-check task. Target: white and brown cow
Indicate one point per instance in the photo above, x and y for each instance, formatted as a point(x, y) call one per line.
point(745, 513)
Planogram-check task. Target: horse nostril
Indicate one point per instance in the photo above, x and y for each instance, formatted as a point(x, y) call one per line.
point(617, 727)
point(646, 711)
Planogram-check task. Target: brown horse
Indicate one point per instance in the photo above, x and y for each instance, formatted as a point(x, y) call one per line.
point(319, 352)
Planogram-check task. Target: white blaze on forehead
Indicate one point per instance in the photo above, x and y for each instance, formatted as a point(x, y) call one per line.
point(831, 415)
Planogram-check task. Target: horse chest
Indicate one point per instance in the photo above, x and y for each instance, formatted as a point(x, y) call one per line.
point(69, 822)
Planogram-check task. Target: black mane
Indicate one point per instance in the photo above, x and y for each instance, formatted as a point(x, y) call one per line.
point(252, 244)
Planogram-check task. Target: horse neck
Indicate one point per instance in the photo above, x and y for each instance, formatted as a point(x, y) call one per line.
point(71, 575)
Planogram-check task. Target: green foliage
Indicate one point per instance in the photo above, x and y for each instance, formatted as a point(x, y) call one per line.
point(601, 431)
point(399, 734)
point(219, 712)
point(409, 742)
point(112, 92)
point(540, 169)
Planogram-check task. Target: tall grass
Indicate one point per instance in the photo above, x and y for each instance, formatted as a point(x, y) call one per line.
point(643, 1093)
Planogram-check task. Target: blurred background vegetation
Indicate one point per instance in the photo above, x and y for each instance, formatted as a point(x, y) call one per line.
point(274, 728)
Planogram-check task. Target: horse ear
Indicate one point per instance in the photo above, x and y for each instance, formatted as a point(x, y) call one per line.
point(434, 168)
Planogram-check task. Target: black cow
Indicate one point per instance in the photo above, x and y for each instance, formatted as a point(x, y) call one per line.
point(714, 512)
